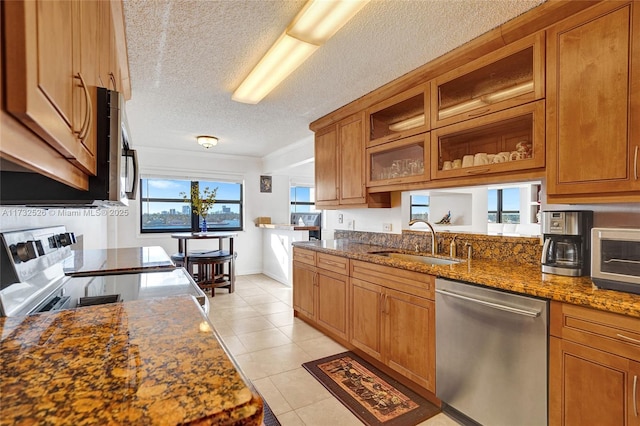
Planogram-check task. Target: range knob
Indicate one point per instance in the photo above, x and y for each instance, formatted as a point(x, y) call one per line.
point(66, 239)
point(24, 252)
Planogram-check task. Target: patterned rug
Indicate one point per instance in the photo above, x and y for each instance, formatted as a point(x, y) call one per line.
point(374, 397)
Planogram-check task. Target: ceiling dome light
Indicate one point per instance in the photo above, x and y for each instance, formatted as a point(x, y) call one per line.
point(207, 141)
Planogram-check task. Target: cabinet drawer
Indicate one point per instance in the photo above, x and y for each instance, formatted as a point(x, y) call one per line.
point(304, 256)
point(414, 283)
point(333, 263)
point(606, 331)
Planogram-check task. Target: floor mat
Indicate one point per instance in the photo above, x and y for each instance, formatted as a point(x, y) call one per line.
point(269, 418)
point(374, 397)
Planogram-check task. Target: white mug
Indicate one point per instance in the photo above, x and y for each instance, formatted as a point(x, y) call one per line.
point(467, 161)
point(504, 155)
point(480, 159)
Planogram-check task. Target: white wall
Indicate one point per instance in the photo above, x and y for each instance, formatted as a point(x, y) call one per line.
point(206, 165)
point(277, 254)
point(368, 220)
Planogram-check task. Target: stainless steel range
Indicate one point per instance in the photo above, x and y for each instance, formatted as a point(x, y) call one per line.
point(33, 264)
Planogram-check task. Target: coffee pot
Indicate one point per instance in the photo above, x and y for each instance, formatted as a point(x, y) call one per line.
point(567, 242)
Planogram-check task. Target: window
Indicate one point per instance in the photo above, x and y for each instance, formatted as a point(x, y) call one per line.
point(163, 208)
point(504, 205)
point(419, 207)
point(302, 199)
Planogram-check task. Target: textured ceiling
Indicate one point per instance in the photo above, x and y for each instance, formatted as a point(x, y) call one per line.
point(186, 57)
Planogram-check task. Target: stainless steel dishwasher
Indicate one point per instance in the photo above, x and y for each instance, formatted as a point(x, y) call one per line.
point(491, 355)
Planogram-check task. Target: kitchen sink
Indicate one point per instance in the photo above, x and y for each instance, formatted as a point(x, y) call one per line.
point(429, 260)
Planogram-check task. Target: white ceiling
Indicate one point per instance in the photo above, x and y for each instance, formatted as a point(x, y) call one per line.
point(186, 57)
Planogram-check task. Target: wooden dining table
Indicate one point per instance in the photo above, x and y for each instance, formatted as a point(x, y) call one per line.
point(184, 237)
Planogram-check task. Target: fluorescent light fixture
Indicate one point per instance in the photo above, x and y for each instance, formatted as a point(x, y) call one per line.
point(510, 92)
point(407, 124)
point(321, 19)
point(207, 141)
point(500, 95)
point(461, 107)
point(314, 25)
point(281, 60)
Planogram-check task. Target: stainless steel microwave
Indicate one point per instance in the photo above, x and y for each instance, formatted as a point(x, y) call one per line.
point(615, 258)
point(117, 172)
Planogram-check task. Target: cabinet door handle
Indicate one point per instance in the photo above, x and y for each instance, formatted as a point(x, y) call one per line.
point(477, 172)
point(112, 78)
point(86, 122)
point(627, 338)
point(480, 112)
point(635, 164)
point(635, 395)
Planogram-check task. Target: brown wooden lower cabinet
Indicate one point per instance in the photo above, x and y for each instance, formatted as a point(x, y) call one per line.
point(386, 313)
point(395, 327)
point(409, 336)
point(591, 387)
point(332, 302)
point(366, 317)
point(319, 294)
point(304, 285)
point(594, 374)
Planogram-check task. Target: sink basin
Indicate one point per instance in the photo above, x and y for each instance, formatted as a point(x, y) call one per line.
point(429, 260)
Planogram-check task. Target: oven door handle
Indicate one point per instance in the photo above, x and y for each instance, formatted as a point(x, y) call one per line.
point(622, 261)
point(532, 314)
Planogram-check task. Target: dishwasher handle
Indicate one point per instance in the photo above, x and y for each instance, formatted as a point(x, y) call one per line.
point(532, 314)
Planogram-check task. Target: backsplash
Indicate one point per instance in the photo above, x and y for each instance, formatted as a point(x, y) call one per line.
point(522, 250)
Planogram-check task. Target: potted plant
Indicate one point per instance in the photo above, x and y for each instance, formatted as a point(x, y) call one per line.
point(201, 203)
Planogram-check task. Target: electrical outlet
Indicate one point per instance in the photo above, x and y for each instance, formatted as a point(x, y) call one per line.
point(340, 218)
point(386, 227)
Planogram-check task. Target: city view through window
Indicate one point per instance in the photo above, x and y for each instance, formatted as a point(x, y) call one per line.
point(164, 208)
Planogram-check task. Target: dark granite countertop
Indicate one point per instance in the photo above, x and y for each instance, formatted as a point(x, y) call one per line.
point(515, 277)
point(154, 361)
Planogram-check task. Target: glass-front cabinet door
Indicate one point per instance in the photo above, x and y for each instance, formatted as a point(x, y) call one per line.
point(403, 115)
point(508, 77)
point(399, 162)
point(509, 140)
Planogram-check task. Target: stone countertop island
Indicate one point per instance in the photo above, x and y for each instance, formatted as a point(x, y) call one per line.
point(154, 361)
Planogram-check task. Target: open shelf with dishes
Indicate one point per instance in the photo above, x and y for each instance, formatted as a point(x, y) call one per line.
point(511, 76)
point(509, 140)
point(399, 162)
point(398, 117)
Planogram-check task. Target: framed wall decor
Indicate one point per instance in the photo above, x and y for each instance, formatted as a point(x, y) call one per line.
point(265, 183)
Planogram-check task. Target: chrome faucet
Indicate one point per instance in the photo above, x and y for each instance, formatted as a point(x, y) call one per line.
point(433, 233)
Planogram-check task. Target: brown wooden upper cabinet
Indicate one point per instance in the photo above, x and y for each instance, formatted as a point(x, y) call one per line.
point(109, 69)
point(510, 76)
point(593, 105)
point(340, 166)
point(326, 166)
point(399, 162)
point(400, 116)
point(48, 76)
point(505, 141)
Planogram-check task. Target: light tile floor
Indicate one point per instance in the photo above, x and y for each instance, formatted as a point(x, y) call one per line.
point(257, 325)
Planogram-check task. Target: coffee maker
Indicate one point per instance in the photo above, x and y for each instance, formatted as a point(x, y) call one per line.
point(567, 242)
